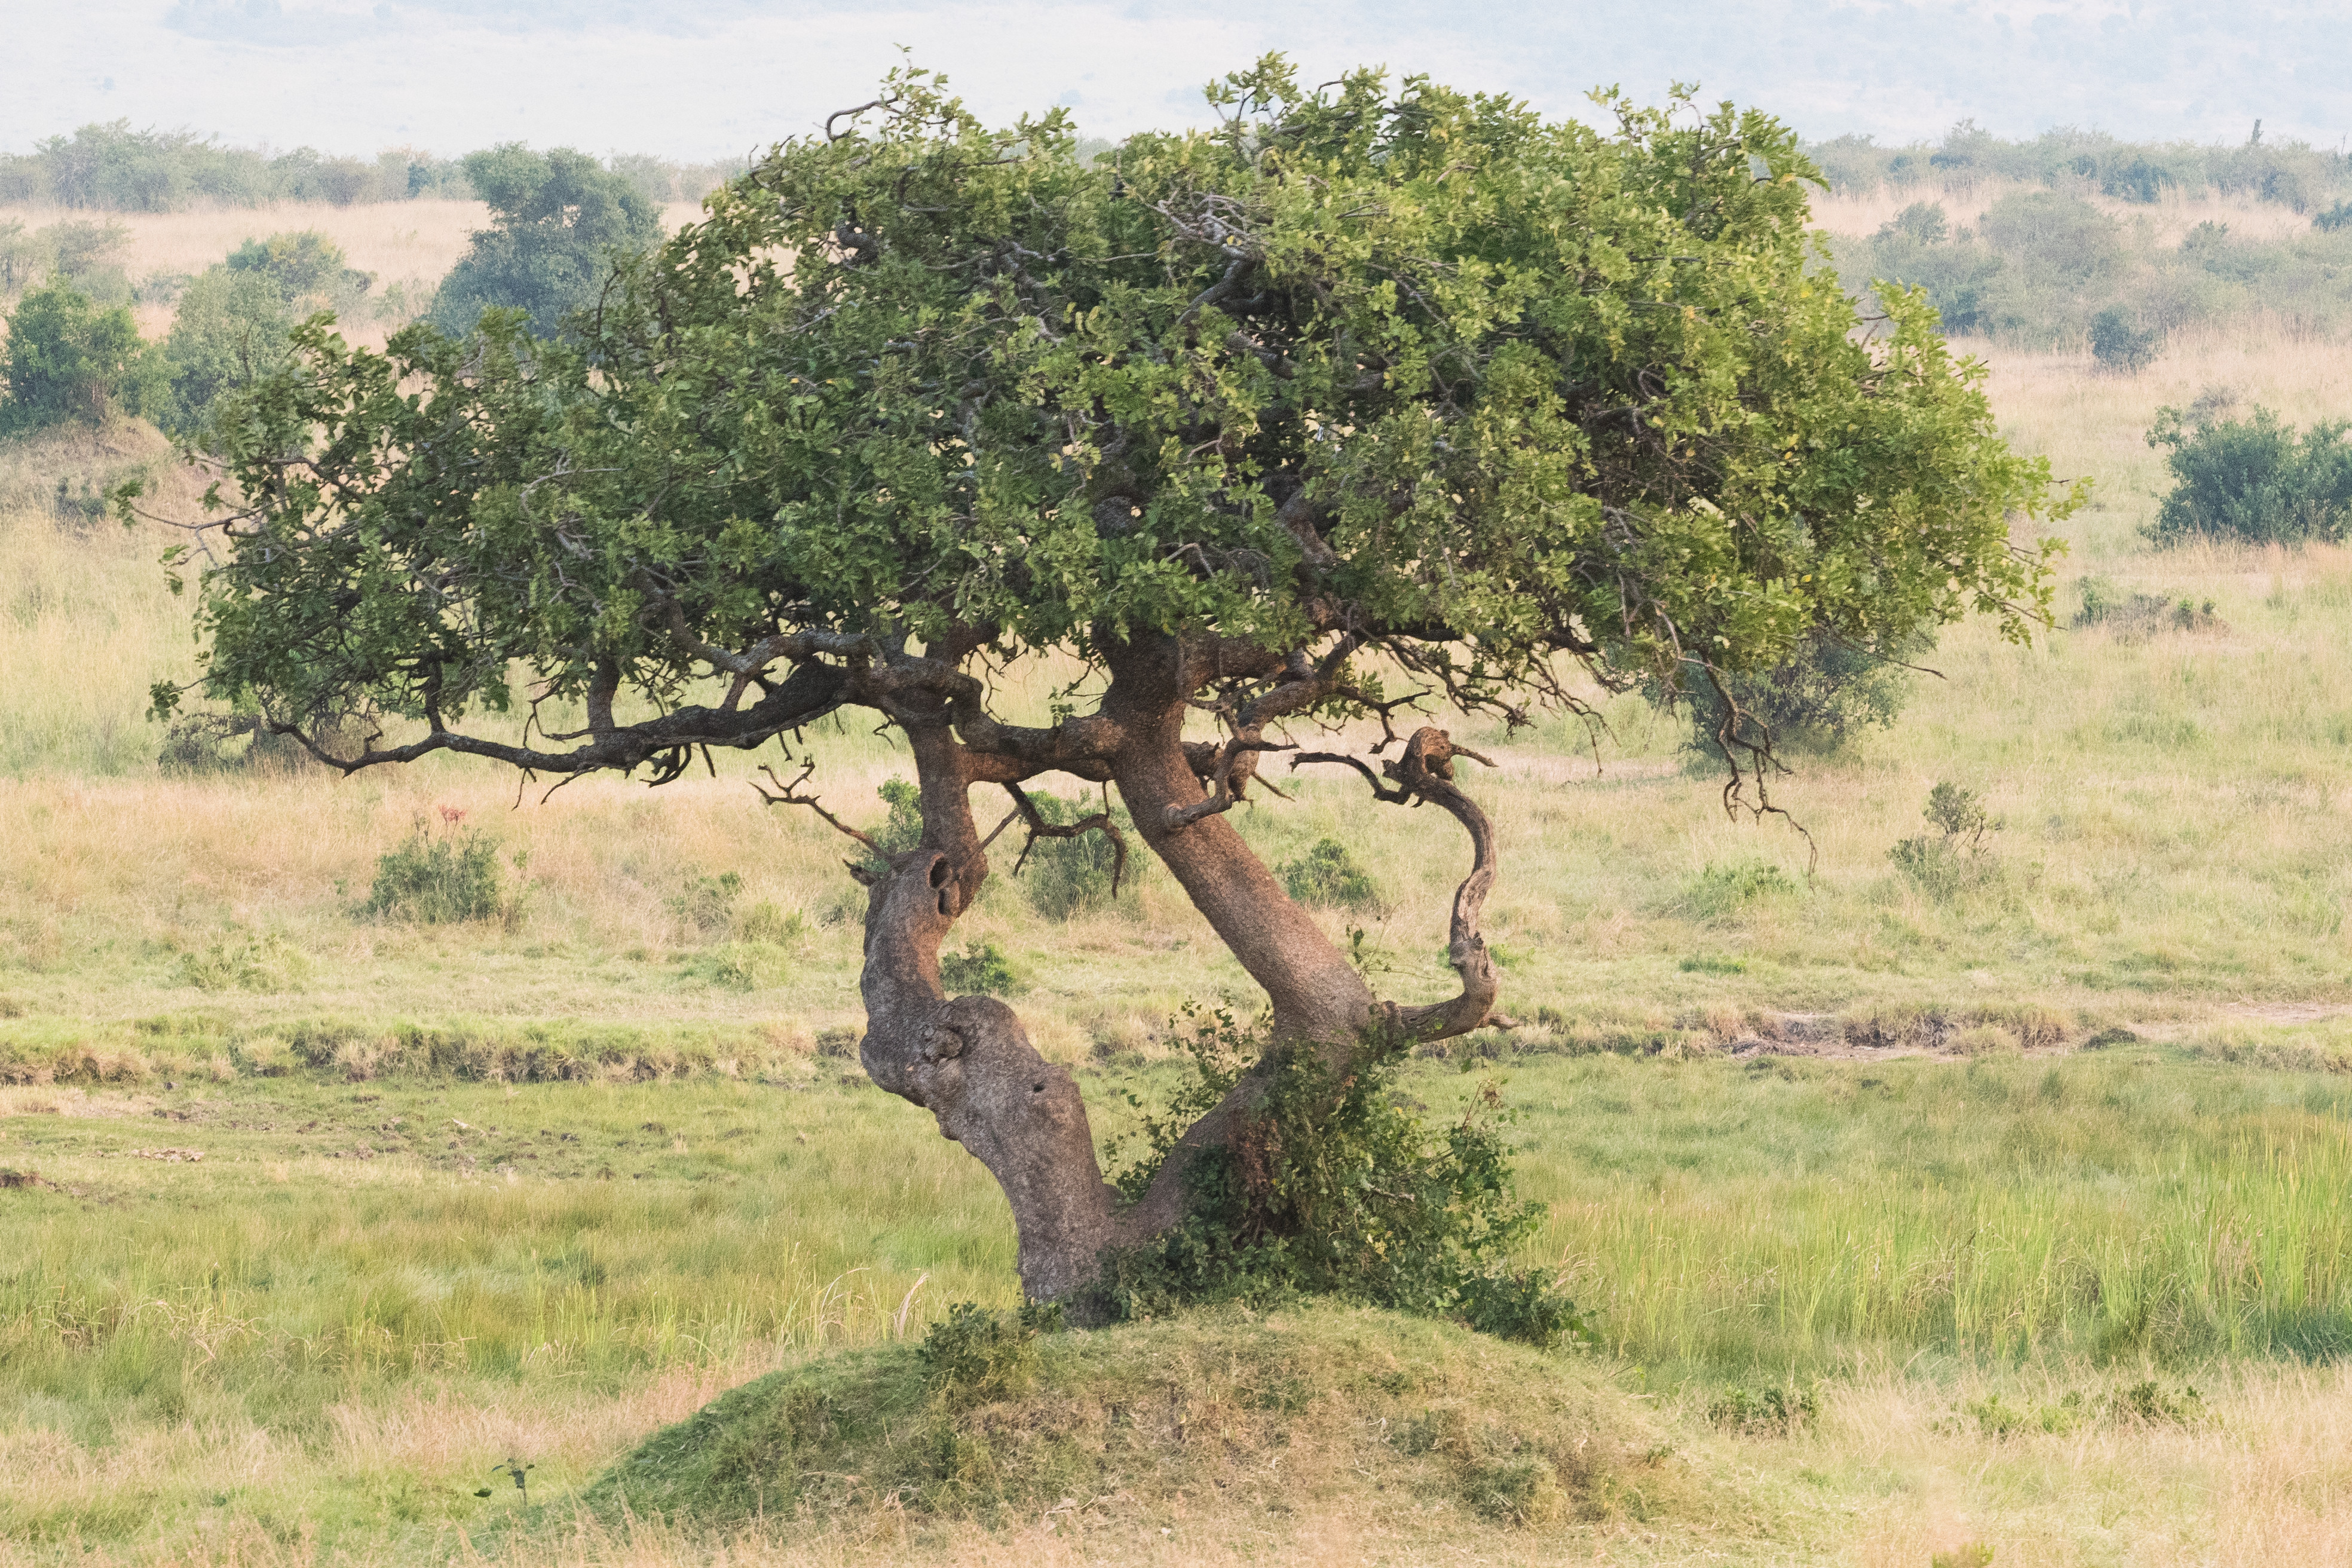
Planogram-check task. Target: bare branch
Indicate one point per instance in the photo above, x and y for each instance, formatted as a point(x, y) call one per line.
point(790, 795)
point(1041, 828)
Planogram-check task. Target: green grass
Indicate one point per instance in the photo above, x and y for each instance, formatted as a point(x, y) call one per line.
point(298, 1339)
point(346, 1249)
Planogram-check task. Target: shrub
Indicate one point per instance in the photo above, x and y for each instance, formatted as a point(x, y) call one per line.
point(742, 966)
point(901, 830)
point(68, 359)
point(2253, 479)
point(708, 903)
point(265, 962)
point(1777, 1411)
point(2118, 344)
point(230, 330)
point(2132, 616)
point(1959, 857)
point(1328, 874)
point(769, 922)
point(1068, 876)
point(437, 881)
point(975, 1356)
point(1333, 1187)
point(558, 220)
point(1719, 890)
point(2336, 217)
point(302, 266)
point(1819, 697)
point(981, 967)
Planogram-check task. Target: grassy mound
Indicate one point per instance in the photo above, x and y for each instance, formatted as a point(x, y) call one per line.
point(1314, 1411)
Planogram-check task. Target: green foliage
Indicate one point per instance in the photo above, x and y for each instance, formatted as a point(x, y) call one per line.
point(1333, 1187)
point(69, 361)
point(2291, 173)
point(903, 828)
point(1067, 877)
point(2254, 481)
point(230, 330)
point(114, 168)
point(1775, 1412)
point(2337, 217)
point(708, 903)
point(981, 967)
point(1328, 874)
point(438, 881)
point(977, 1356)
point(1819, 697)
point(1629, 333)
point(2063, 238)
point(266, 962)
point(1915, 249)
point(86, 256)
point(1968, 1555)
point(2118, 344)
point(560, 222)
point(1717, 891)
point(2131, 616)
point(1957, 858)
point(301, 265)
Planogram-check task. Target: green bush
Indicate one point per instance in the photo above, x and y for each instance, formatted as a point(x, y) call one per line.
point(437, 881)
point(229, 331)
point(1328, 874)
point(1068, 876)
point(975, 1356)
point(981, 968)
point(2336, 217)
point(559, 221)
point(2119, 343)
point(708, 903)
point(1959, 856)
point(263, 962)
point(1332, 1187)
point(1777, 1412)
point(2253, 479)
point(1819, 698)
point(1720, 890)
point(68, 360)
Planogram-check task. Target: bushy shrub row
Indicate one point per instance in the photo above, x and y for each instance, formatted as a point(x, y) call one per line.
point(2292, 173)
point(2050, 269)
point(113, 168)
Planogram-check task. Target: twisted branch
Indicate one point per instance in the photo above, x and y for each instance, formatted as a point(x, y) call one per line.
point(1426, 773)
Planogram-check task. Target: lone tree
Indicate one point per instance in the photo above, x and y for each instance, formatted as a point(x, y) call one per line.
point(1369, 382)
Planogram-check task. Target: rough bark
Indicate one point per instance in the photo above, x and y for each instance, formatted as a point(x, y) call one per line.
point(968, 1060)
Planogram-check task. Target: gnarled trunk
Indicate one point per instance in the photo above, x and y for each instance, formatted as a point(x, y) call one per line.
point(969, 1060)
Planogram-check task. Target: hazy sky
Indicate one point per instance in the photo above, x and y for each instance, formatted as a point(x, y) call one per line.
point(711, 77)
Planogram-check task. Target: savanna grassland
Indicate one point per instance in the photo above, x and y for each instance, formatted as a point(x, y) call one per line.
point(1911, 1218)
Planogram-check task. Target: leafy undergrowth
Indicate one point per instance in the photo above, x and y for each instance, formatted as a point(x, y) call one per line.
point(1314, 1411)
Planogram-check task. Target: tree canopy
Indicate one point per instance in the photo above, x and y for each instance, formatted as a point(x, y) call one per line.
point(1372, 382)
point(556, 219)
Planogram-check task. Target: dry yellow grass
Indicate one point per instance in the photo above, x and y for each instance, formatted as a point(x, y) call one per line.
point(1889, 1477)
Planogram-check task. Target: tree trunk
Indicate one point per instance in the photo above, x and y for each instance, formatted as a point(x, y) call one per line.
point(969, 1060)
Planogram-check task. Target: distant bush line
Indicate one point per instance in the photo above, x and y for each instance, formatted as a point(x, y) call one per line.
point(113, 168)
point(2292, 173)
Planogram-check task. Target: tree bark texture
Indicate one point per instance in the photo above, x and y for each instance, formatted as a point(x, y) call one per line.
point(968, 1060)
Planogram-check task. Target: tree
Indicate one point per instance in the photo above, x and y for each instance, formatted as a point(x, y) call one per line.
point(233, 318)
point(559, 223)
point(1371, 397)
point(68, 359)
point(230, 328)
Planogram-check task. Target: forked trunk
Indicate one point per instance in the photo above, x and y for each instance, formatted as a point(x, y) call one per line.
point(970, 1063)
